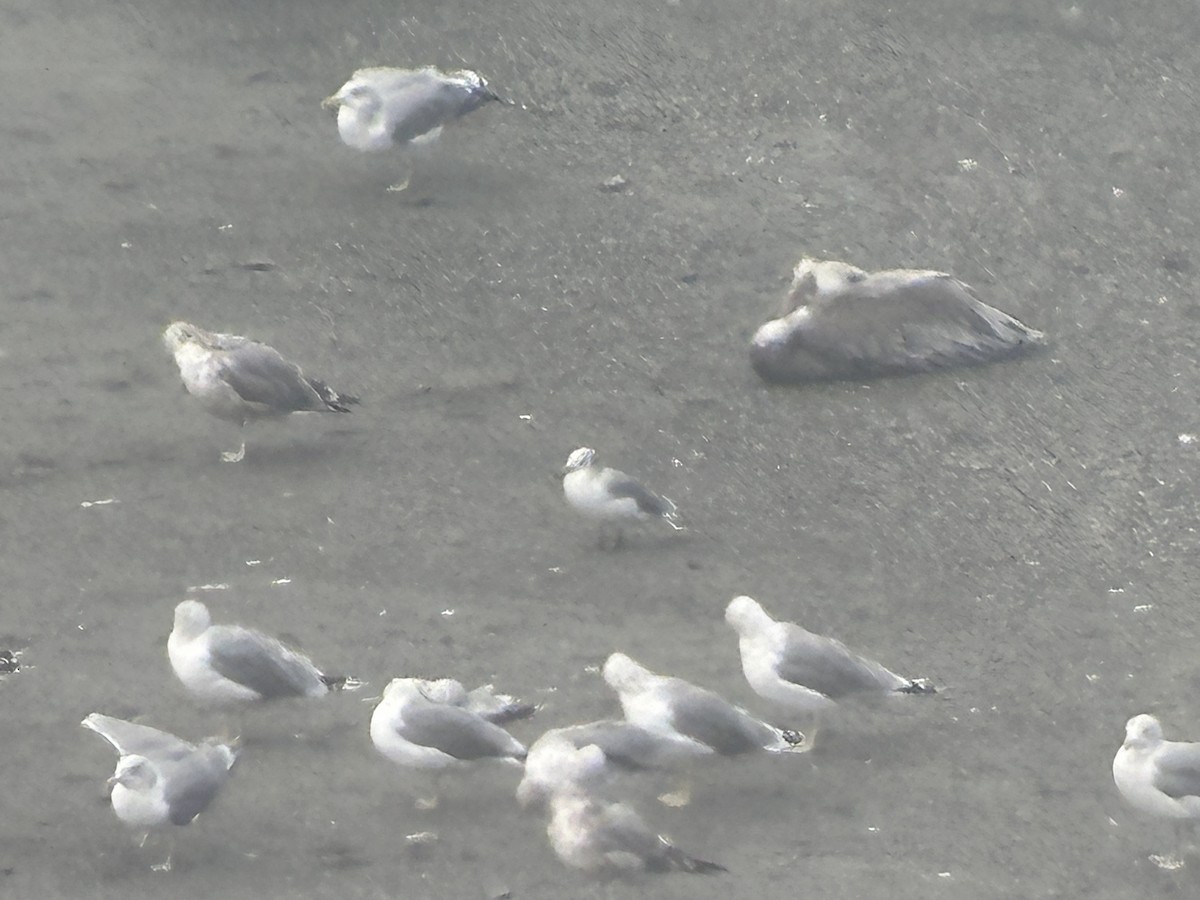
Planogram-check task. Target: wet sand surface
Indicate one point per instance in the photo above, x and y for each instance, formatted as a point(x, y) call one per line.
point(1022, 534)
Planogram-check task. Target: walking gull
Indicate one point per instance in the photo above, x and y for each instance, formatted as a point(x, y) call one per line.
point(413, 726)
point(597, 836)
point(675, 707)
point(239, 380)
point(384, 107)
point(225, 665)
point(161, 779)
point(841, 322)
point(802, 671)
point(611, 496)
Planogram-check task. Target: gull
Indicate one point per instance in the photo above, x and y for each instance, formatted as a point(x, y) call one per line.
point(840, 322)
point(384, 107)
point(1156, 776)
point(239, 380)
point(227, 665)
point(607, 838)
point(498, 709)
point(161, 779)
point(802, 671)
point(611, 496)
point(676, 707)
point(624, 747)
point(413, 726)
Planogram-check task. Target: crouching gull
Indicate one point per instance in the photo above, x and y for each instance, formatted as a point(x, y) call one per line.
point(384, 107)
point(161, 779)
point(802, 671)
point(414, 726)
point(611, 496)
point(676, 707)
point(625, 747)
point(239, 380)
point(840, 322)
point(602, 837)
point(1159, 777)
point(227, 665)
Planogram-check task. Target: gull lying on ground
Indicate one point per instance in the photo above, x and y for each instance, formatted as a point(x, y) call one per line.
point(597, 836)
point(802, 671)
point(161, 779)
point(841, 322)
point(240, 380)
point(412, 726)
point(611, 496)
point(676, 707)
point(382, 107)
point(226, 665)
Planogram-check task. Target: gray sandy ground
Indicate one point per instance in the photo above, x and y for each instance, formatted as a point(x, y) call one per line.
point(1022, 534)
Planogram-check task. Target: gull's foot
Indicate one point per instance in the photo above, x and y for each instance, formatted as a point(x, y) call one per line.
point(426, 803)
point(399, 186)
point(234, 455)
point(164, 866)
point(677, 798)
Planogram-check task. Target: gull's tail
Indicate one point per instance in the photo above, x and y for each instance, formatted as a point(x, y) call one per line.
point(340, 682)
point(918, 686)
point(674, 858)
point(334, 402)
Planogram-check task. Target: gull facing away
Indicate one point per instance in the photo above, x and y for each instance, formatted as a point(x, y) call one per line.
point(384, 107)
point(605, 838)
point(239, 380)
point(414, 727)
point(1156, 776)
point(611, 496)
point(676, 707)
point(161, 779)
point(227, 665)
point(802, 671)
point(624, 747)
point(840, 322)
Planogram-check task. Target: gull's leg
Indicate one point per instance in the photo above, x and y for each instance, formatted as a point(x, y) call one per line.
point(429, 803)
point(165, 865)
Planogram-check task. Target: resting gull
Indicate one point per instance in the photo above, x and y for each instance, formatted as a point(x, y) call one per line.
point(841, 322)
point(227, 665)
point(413, 726)
point(239, 380)
point(676, 707)
point(161, 779)
point(384, 107)
point(607, 838)
point(802, 671)
point(611, 496)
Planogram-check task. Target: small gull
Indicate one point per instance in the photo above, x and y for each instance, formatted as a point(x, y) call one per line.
point(802, 671)
point(227, 665)
point(161, 779)
point(676, 707)
point(498, 709)
point(602, 837)
point(383, 107)
point(1157, 776)
point(840, 322)
point(239, 380)
point(611, 496)
point(625, 747)
point(413, 726)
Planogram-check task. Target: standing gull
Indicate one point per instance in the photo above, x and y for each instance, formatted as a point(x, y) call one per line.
point(802, 671)
point(226, 665)
point(161, 779)
point(611, 496)
point(239, 380)
point(676, 707)
point(384, 107)
point(413, 726)
point(606, 838)
point(1157, 776)
point(841, 322)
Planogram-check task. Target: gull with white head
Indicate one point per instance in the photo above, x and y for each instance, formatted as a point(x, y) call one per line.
point(240, 380)
point(840, 322)
point(612, 496)
point(161, 779)
point(384, 107)
point(227, 665)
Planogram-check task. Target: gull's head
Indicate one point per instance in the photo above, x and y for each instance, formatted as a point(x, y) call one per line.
point(554, 765)
point(358, 97)
point(819, 278)
point(623, 674)
point(445, 691)
point(746, 616)
point(579, 459)
point(1143, 731)
point(403, 689)
point(136, 773)
point(191, 619)
point(180, 334)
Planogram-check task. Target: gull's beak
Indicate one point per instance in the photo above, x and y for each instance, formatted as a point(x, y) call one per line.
point(332, 102)
point(112, 782)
